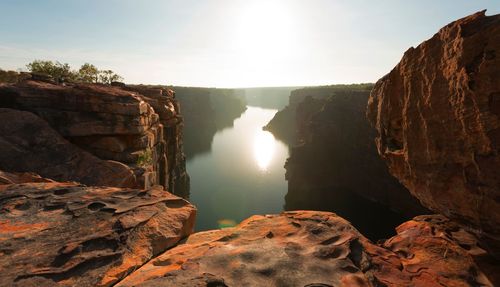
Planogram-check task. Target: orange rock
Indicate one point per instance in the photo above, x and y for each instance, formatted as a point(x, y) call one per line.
point(29, 144)
point(65, 234)
point(309, 248)
point(438, 119)
point(137, 126)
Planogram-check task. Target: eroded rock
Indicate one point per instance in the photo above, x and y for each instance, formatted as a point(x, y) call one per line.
point(29, 144)
point(438, 121)
point(65, 234)
point(139, 126)
point(308, 248)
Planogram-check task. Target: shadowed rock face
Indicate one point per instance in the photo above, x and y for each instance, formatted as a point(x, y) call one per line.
point(307, 248)
point(337, 152)
point(206, 111)
point(28, 143)
point(65, 234)
point(333, 163)
point(138, 126)
point(437, 114)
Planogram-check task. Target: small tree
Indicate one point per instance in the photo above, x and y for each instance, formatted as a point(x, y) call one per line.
point(88, 73)
point(108, 76)
point(60, 72)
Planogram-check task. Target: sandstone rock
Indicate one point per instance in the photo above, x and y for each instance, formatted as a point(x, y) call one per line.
point(29, 144)
point(437, 114)
point(307, 248)
point(135, 125)
point(65, 234)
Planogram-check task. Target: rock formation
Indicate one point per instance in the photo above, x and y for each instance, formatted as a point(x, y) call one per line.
point(139, 127)
point(437, 114)
point(333, 163)
point(66, 234)
point(28, 143)
point(309, 248)
point(286, 122)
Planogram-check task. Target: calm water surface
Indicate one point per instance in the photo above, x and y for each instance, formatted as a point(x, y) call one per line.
point(243, 174)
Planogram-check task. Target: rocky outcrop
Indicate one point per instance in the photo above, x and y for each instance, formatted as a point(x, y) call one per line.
point(307, 248)
point(437, 114)
point(137, 126)
point(206, 111)
point(66, 234)
point(28, 143)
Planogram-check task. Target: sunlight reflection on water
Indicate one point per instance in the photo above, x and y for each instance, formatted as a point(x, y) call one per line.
point(263, 149)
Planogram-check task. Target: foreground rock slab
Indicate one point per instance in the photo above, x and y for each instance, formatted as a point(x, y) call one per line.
point(438, 119)
point(309, 248)
point(65, 234)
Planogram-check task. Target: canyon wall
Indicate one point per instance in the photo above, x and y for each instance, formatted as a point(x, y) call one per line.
point(333, 163)
point(206, 111)
point(66, 132)
point(437, 114)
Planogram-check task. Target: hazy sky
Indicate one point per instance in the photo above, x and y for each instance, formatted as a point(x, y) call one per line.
point(226, 43)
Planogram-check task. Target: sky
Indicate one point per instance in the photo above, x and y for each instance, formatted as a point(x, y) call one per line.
point(226, 43)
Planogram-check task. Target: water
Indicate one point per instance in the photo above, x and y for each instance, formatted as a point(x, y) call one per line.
point(243, 174)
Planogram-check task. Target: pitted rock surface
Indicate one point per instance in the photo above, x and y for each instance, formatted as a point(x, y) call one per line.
point(438, 119)
point(309, 248)
point(65, 234)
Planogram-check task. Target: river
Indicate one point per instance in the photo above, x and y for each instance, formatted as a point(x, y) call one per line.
point(242, 175)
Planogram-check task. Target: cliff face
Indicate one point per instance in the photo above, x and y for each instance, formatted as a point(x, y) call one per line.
point(284, 124)
point(135, 129)
point(437, 114)
point(206, 111)
point(333, 163)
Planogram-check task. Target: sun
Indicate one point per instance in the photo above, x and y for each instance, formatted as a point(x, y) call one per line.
point(265, 31)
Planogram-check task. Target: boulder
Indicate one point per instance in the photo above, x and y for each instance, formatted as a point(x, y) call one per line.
point(66, 234)
point(29, 144)
point(437, 114)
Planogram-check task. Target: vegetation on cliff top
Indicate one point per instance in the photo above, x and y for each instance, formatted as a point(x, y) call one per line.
point(87, 73)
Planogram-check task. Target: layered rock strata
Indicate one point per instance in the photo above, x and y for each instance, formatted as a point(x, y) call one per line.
point(66, 234)
point(308, 248)
point(138, 127)
point(437, 114)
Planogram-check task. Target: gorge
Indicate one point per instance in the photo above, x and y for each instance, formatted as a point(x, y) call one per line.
point(387, 184)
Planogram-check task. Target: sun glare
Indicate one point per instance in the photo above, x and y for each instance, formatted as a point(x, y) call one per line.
point(263, 148)
point(265, 33)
